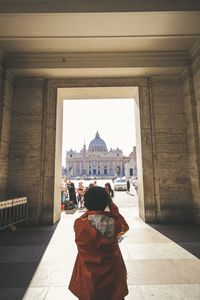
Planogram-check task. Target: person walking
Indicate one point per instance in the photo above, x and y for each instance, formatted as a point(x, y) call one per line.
point(109, 190)
point(99, 270)
point(128, 185)
point(72, 192)
point(80, 195)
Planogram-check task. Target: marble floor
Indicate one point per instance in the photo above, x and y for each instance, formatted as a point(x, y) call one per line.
point(162, 260)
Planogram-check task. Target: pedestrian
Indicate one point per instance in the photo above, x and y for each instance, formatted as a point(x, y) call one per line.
point(62, 197)
point(128, 185)
point(109, 190)
point(81, 186)
point(99, 270)
point(80, 195)
point(72, 193)
point(136, 185)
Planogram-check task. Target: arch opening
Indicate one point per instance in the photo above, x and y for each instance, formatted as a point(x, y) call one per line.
point(92, 94)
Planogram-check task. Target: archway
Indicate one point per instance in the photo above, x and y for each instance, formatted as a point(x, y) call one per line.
point(58, 90)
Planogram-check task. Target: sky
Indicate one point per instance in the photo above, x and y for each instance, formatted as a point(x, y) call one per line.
point(114, 121)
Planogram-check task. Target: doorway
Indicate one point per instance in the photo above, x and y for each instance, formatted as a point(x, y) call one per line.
point(90, 94)
point(136, 88)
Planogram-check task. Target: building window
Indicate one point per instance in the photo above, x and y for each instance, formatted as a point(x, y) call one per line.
point(105, 171)
point(70, 155)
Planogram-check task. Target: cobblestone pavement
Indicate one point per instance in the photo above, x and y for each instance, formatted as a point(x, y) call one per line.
point(161, 260)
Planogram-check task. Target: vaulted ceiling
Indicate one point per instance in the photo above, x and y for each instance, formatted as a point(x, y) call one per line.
point(61, 39)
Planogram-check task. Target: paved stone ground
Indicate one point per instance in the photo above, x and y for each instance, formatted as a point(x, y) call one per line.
point(162, 260)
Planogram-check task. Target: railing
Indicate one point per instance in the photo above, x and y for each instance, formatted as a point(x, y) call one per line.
point(13, 211)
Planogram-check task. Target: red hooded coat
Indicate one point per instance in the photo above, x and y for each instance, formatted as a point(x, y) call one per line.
point(99, 270)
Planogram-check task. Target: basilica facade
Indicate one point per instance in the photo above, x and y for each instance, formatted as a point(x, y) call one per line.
point(96, 161)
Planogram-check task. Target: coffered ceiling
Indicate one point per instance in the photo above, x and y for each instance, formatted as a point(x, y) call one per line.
point(96, 43)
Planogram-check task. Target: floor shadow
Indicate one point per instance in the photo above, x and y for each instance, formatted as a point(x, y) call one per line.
point(20, 254)
point(70, 211)
point(185, 235)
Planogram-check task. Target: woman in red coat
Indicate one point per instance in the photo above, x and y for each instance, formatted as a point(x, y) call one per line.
point(99, 271)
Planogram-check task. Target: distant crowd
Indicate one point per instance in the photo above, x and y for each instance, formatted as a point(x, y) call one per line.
point(72, 197)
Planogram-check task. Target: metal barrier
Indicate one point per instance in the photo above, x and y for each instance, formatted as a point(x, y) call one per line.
point(13, 211)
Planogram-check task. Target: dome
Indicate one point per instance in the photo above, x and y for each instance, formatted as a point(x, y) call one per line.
point(97, 144)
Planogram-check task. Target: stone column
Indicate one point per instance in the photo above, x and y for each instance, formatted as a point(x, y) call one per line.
point(149, 211)
point(25, 173)
point(191, 90)
point(48, 214)
point(6, 91)
point(171, 179)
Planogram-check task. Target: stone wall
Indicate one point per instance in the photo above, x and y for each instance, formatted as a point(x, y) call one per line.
point(197, 106)
point(6, 90)
point(172, 178)
point(25, 160)
point(191, 88)
point(165, 146)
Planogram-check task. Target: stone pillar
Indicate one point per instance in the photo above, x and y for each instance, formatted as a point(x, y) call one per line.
point(191, 90)
point(170, 150)
point(25, 175)
point(48, 214)
point(196, 70)
point(149, 210)
point(101, 168)
point(6, 92)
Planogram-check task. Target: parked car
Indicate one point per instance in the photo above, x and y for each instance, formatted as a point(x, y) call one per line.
point(120, 184)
